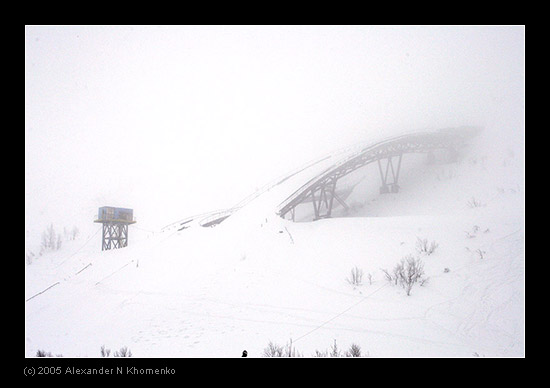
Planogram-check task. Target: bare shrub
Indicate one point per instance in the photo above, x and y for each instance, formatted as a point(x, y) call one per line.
point(424, 247)
point(369, 276)
point(473, 233)
point(320, 354)
point(43, 353)
point(472, 203)
point(74, 233)
point(395, 275)
point(354, 351)
point(406, 273)
point(291, 351)
point(398, 271)
point(412, 272)
point(387, 275)
point(481, 253)
point(356, 276)
point(49, 238)
point(105, 352)
point(274, 350)
point(29, 256)
point(123, 352)
point(334, 351)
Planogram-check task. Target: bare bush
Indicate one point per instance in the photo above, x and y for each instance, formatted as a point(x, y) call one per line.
point(395, 275)
point(354, 351)
point(29, 256)
point(387, 275)
point(334, 351)
point(123, 352)
point(413, 272)
point(406, 273)
point(50, 239)
point(473, 233)
point(320, 354)
point(74, 233)
point(274, 350)
point(43, 353)
point(424, 247)
point(105, 352)
point(472, 203)
point(356, 276)
point(481, 253)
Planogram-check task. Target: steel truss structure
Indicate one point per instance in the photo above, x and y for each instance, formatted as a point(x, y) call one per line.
point(115, 235)
point(115, 226)
point(321, 190)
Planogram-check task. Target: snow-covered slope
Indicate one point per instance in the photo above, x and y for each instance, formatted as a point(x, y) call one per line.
point(256, 278)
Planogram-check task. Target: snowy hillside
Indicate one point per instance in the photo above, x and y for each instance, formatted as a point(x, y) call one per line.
point(256, 278)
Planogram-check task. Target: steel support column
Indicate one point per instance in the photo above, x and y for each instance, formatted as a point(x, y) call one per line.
point(322, 206)
point(390, 185)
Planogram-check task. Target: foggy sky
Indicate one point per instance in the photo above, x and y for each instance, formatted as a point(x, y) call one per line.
point(176, 120)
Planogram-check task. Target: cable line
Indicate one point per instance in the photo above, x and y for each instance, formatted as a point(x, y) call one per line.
point(78, 250)
point(341, 313)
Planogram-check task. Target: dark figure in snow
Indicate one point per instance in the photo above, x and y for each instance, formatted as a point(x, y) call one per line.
point(245, 353)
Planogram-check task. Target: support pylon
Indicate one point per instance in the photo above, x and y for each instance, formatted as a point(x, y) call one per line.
point(390, 185)
point(115, 235)
point(322, 205)
point(115, 226)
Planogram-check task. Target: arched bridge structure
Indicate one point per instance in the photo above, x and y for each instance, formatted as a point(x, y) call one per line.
point(317, 182)
point(321, 190)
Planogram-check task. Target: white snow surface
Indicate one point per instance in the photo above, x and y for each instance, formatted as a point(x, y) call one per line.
point(256, 278)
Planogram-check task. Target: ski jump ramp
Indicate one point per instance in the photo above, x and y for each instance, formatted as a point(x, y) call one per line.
point(317, 182)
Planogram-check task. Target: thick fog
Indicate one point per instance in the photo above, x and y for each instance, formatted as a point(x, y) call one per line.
point(177, 120)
